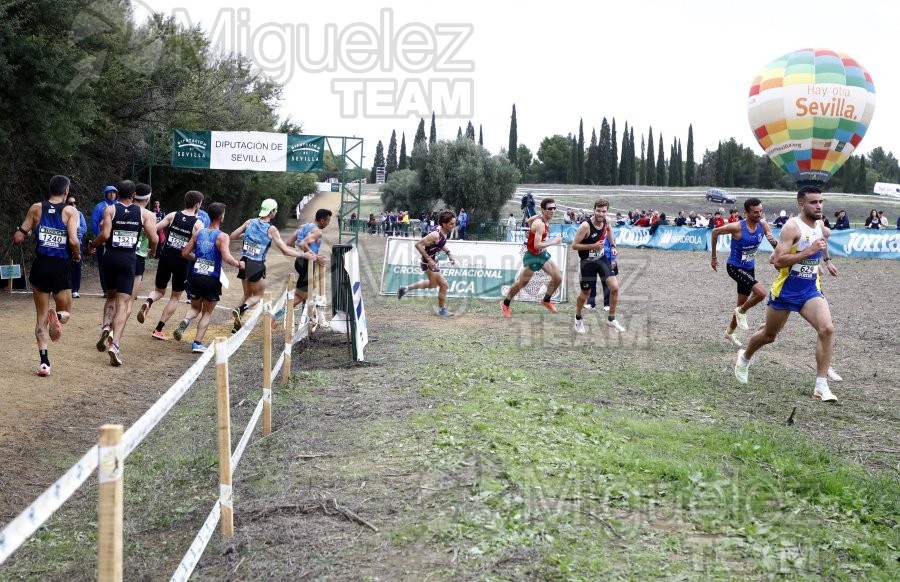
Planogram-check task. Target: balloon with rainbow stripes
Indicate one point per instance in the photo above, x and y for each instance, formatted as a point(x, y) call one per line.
point(809, 110)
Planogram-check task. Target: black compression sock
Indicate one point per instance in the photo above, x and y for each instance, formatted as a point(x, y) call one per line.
point(546, 299)
point(160, 325)
point(45, 359)
point(506, 302)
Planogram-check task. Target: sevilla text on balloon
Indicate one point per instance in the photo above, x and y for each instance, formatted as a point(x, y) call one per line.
point(834, 108)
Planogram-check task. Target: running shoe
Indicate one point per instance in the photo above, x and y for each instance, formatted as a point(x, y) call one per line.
point(824, 394)
point(606, 308)
point(834, 376)
point(104, 340)
point(590, 306)
point(44, 370)
point(198, 347)
point(444, 312)
point(614, 324)
point(401, 292)
point(75, 295)
point(142, 313)
point(504, 309)
point(741, 319)
point(236, 316)
point(157, 334)
point(55, 326)
point(179, 331)
point(321, 300)
point(732, 337)
point(550, 307)
point(741, 370)
point(579, 326)
point(114, 358)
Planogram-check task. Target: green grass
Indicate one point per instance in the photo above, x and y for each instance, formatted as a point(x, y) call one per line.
point(599, 492)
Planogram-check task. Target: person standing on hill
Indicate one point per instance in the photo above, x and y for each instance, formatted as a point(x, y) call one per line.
point(110, 195)
point(802, 246)
point(259, 233)
point(206, 251)
point(77, 265)
point(746, 236)
point(120, 235)
point(429, 246)
point(55, 226)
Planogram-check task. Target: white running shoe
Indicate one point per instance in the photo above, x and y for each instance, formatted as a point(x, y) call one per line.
point(741, 371)
point(579, 326)
point(741, 319)
point(824, 394)
point(733, 339)
point(834, 376)
point(615, 325)
point(606, 308)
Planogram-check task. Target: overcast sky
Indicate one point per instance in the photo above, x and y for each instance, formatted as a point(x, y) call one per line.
point(663, 64)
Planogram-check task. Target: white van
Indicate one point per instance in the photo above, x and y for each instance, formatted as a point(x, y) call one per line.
point(886, 189)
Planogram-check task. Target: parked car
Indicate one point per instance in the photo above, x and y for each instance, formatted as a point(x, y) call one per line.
point(719, 195)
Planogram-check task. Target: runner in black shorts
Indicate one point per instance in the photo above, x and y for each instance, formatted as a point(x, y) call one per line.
point(55, 226)
point(120, 233)
point(590, 242)
point(179, 227)
point(746, 236)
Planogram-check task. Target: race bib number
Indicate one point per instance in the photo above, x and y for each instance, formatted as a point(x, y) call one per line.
point(596, 254)
point(204, 267)
point(748, 255)
point(805, 271)
point(124, 239)
point(176, 241)
point(52, 238)
point(251, 250)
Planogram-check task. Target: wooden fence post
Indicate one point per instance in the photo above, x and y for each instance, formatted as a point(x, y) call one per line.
point(109, 522)
point(267, 364)
point(223, 409)
point(289, 329)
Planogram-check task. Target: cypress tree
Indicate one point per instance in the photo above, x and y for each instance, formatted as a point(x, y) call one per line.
point(605, 154)
point(480, 136)
point(459, 133)
point(513, 138)
point(650, 168)
point(572, 172)
point(420, 133)
point(403, 162)
point(580, 151)
point(642, 180)
point(391, 164)
point(378, 161)
point(690, 168)
point(432, 138)
point(661, 165)
point(623, 164)
point(614, 159)
point(470, 131)
point(592, 159)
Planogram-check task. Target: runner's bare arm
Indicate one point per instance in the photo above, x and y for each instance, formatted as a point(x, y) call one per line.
point(583, 230)
point(32, 217)
point(714, 240)
point(239, 231)
point(149, 224)
point(105, 227)
point(768, 233)
point(188, 251)
point(71, 220)
point(225, 251)
point(790, 234)
point(612, 240)
point(286, 250)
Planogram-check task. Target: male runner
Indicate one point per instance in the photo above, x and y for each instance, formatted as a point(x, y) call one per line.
point(746, 236)
point(120, 234)
point(307, 237)
point(207, 248)
point(180, 227)
point(537, 258)
point(590, 242)
point(142, 195)
point(803, 244)
point(258, 234)
point(56, 239)
point(429, 246)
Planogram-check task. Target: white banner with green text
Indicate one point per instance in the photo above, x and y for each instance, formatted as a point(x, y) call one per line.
point(483, 270)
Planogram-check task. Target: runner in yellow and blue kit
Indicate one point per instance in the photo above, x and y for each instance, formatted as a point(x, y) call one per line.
point(801, 248)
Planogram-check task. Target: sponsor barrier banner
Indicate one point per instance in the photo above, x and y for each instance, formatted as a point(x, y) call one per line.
point(677, 238)
point(865, 244)
point(631, 236)
point(247, 150)
point(483, 270)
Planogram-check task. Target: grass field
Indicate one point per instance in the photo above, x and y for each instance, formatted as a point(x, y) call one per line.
point(485, 448)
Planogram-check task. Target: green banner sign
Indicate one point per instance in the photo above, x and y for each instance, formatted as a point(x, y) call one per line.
point(247, 150)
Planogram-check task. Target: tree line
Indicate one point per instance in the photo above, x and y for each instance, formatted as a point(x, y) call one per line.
point(88, 93)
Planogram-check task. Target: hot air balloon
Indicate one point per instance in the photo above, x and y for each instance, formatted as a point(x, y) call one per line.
point(809, 109)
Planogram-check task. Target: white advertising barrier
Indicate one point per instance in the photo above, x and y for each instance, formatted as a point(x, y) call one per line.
point(483, 270)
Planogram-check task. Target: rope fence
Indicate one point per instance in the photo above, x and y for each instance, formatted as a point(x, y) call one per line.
point(115, 445)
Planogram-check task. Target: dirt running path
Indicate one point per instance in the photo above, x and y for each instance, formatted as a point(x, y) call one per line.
point(45, 422)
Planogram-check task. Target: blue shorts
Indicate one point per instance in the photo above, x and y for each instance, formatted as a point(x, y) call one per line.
point(794, 303)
